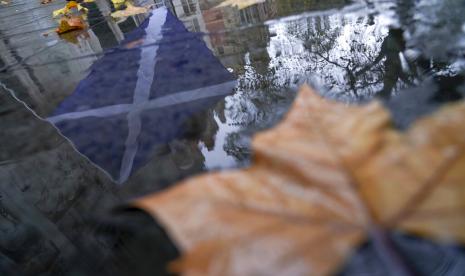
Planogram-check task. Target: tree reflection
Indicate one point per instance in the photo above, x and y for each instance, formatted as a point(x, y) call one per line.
point(351, 57)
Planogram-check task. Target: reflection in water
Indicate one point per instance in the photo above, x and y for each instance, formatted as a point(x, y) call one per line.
point(146, 111)
point(122, 110)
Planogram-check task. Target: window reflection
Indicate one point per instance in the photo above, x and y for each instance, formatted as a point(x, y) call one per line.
point(189, 6)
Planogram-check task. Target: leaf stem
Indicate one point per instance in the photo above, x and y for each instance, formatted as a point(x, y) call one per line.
point(388, 253)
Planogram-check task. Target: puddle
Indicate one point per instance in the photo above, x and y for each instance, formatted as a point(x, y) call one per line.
point(93, 118)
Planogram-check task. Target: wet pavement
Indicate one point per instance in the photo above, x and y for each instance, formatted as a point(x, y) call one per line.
point(92, 119)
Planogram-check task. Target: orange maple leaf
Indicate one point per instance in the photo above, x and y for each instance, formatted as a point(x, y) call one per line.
point(329, 177)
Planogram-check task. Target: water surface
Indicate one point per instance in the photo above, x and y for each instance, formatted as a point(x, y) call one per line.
point(94, 118)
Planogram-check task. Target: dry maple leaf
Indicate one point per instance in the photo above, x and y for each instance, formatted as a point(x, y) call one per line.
point(71, 23)
point(240, 4)
point(71, 8)
point(329, 177)
point(130, 11)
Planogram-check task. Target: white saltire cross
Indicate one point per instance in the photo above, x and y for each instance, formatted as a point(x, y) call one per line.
point(141, 98)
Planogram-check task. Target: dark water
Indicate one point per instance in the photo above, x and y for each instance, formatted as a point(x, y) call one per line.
point(93, 119)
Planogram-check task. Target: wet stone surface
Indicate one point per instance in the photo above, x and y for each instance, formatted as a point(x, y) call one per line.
point(91, 119)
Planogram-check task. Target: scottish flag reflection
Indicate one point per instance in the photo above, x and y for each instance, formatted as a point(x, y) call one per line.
point(135, 99)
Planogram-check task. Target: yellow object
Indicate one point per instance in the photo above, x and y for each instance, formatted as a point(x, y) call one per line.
point(118, 3)
point(71, 23)
point(72, 4)
point(129, 11)
point(240, 4)
point(67, 10)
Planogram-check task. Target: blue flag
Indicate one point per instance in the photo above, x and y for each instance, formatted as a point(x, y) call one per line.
point(138, 95)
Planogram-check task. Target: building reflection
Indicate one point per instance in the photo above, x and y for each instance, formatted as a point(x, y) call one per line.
point(224, 22)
